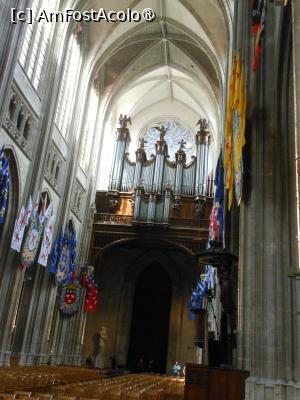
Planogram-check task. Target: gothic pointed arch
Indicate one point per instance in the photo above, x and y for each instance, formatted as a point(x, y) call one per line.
point(6, 229)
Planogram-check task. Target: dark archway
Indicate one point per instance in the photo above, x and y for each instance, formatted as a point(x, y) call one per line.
point(150, 319)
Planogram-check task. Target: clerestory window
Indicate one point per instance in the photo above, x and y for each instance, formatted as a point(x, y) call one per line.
point(68, 85)
point(89, 128)
point(33, 53)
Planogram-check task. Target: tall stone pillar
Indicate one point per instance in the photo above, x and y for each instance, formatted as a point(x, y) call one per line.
point(266, 343)
point(296, 62)
point(11, 276)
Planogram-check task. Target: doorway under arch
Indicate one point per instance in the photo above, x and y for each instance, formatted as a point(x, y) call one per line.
point(150, 320)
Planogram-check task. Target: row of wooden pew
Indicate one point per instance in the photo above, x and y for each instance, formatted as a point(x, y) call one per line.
point(26, 378)
point(128, 387)
point(62, 383)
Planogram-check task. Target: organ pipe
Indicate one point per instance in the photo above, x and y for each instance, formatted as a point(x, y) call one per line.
point(159, 181)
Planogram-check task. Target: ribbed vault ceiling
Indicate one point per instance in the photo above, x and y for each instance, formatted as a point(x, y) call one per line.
point(174, 65)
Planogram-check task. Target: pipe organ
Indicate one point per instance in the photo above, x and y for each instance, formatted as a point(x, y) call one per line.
point(160, 189)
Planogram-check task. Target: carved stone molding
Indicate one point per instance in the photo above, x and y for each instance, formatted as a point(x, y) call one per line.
point(20, 121)
point(53, 167)
point(78, 200)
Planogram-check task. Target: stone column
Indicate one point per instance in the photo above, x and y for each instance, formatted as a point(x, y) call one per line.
point(265, 327)
point(38, 323)
point(10, 289)
point(78, 333)
point(12, 280)
point(296, 62)
point(295, 279)
point(33, 321)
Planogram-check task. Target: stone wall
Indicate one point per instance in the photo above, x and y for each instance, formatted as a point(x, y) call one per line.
point(41, 160)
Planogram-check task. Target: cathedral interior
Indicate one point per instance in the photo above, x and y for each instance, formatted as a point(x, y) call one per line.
point(150, 198)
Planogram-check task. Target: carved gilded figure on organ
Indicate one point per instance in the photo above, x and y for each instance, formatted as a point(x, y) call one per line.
point(203, 124)
point(182, 144)
point(124, 120)
point(162, 132)
point(142, 143)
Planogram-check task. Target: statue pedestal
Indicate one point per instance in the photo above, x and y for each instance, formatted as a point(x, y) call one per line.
point(99, 361)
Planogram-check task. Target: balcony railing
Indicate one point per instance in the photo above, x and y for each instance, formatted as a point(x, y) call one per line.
point(188, 223)
point(112, 219)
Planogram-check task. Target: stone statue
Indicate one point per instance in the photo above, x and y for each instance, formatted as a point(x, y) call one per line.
point(182, 143)
point(124, 120)
point(203, 124)
point(99, 340)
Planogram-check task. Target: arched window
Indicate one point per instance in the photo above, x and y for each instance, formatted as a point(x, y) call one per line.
point(33, 52)
point(89, 127)
point(68, 85)
point(6, 229)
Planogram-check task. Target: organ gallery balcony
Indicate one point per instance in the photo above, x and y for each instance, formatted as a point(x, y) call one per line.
point(184, 227)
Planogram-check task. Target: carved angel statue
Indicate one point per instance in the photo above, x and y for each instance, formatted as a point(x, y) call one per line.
point(162, 130)
point(203, 124)
point(182, 144)
point(124, 120)
point(142, 143)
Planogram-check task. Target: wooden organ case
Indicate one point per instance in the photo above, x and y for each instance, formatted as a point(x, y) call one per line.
point(147, 197)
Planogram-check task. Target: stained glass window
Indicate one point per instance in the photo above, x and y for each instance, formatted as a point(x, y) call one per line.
point(176, 131)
